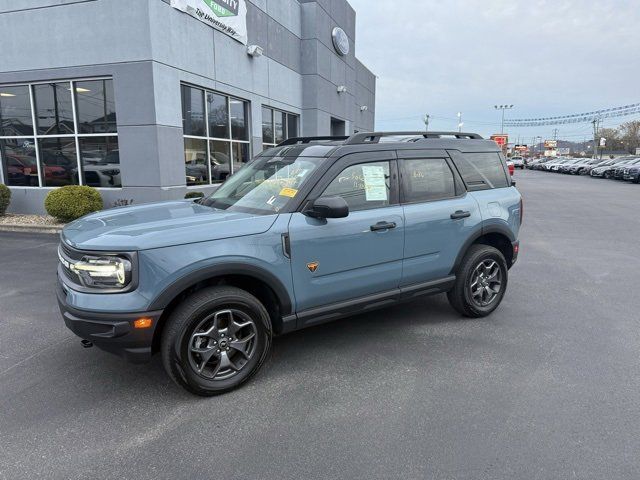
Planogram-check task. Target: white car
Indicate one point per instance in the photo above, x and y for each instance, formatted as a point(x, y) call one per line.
point(518, 162)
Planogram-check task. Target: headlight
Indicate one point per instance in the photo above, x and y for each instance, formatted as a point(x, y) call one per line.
point(103, 271)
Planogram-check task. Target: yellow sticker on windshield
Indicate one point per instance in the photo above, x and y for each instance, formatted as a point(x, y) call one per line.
point(288, 192)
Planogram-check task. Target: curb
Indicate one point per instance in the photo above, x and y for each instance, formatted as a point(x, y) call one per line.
point(14, 227)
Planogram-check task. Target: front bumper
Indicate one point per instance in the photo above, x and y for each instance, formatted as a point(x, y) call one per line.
point(112, 332)
point(632, 176)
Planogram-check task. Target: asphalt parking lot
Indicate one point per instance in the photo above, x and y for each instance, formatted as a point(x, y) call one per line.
point(545, 388)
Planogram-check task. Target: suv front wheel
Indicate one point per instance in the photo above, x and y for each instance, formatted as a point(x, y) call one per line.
point(481, 282)
point(215, 340)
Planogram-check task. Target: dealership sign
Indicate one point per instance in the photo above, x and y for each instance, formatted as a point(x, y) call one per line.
point(228, 16)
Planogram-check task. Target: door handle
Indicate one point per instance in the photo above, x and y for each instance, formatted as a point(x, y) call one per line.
point(383, 226)
point(458, 214)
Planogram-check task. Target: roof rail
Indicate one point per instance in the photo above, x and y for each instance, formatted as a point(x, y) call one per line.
point(374, 137)
point(302, 140)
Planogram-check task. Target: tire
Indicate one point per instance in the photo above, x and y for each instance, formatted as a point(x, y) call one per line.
point(461, 296)
point(196, 351)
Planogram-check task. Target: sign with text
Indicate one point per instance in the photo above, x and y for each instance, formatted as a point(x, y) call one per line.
point(550, 144)
point(500, 139)
point(228, 16)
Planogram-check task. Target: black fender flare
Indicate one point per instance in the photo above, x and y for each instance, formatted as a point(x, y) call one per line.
point(488, 226)
point(218, 270)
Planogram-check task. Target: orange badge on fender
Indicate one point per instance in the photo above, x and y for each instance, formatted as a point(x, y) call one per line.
point(313, 266)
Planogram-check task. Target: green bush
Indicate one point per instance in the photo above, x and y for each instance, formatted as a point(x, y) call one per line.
point(71, 202)
point(194, 195)
point(5, 199)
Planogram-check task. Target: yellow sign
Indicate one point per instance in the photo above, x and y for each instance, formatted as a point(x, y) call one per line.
point(288, 192)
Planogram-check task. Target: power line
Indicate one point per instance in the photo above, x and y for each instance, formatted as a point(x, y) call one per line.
point(576, 118)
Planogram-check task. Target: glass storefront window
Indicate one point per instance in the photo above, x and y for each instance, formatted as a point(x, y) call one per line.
point(224, 138)
point(95, 106)
point(277, 126)
point(195, 159)
point(20, 164)
point(220, 158)
point(15, 112)
point(267, 125)
point(58, 161)
point(54, 110)
point(218, 115)
point(240, 155)
point(57, 133)
point(193, 122)
point(100, 159)
point(239, 120)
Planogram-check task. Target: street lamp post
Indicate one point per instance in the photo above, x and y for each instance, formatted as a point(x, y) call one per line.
point(460, 124)
point(503, 108)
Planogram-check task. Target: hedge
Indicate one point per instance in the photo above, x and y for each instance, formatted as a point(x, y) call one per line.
point(5, 199)
point(72, 202)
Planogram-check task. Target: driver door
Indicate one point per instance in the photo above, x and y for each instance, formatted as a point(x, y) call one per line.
point(352, 258)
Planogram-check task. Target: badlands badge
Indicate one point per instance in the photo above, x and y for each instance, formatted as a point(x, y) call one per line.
point(313, 266)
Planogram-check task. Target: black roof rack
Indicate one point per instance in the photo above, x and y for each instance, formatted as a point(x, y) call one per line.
point(302, 140)
point(374, 137)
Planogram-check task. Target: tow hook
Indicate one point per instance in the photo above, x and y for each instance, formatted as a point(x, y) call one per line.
point(86, 343)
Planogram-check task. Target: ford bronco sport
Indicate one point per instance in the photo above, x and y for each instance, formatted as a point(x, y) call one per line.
point(310, 231)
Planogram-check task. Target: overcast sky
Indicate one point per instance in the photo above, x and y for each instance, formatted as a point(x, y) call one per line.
point(546, 57)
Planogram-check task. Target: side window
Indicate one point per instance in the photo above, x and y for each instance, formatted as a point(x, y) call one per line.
point(481, 171)
point(363, 186)
point(424, 180)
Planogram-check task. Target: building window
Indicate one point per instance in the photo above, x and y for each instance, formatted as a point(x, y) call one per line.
point(216, 135)
point(277, 126)
point(59, 133)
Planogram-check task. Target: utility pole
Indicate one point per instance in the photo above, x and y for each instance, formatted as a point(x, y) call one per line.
point(555, 134)
point(426, 122)
point(595, 137)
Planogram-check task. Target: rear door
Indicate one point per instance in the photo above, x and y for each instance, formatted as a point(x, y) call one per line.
point(341, 259)
point(439, 215)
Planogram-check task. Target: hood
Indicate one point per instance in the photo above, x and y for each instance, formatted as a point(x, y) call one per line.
point(157, 225)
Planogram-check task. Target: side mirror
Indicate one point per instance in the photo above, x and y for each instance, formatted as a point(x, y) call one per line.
point(328, 207)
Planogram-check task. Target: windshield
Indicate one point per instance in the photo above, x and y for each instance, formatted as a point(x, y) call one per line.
point(265, 186)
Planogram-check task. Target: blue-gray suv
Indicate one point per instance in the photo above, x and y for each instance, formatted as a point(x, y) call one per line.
point(308, 232)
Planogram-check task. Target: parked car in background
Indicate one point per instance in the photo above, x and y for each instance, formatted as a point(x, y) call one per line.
point(538, 163)
point(564, 168)
point(606, 171)
point(582, 166)
point(518, 162)
point(555, 166)
point(632, 173)
point(618, 172)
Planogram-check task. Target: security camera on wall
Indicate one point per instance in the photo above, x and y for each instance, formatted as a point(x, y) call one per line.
point(255, 51)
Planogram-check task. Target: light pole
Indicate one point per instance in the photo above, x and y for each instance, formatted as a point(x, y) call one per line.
point(460, 124)
point(426, 122)
point(503, 108)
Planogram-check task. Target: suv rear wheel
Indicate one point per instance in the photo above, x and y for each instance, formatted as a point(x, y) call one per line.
point(481, 282)
point(215, 340)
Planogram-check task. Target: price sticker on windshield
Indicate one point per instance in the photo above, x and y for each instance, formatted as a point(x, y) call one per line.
point(288, 192)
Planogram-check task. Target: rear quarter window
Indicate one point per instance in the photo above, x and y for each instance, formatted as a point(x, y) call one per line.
point(481, 171)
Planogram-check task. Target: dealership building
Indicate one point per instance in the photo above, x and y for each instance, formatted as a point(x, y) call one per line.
point(147, 100)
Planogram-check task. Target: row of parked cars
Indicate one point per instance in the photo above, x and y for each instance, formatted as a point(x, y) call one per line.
point(621, 168)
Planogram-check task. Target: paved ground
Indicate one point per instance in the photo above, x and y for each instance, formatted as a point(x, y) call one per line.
point(546, 388)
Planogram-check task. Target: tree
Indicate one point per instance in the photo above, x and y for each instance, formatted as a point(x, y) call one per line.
point(629, 134)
